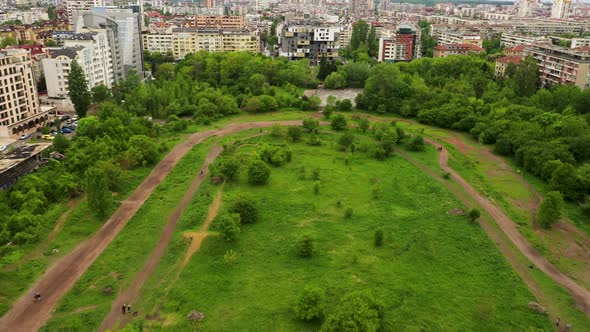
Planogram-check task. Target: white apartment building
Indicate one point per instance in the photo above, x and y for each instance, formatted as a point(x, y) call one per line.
point(92, 53)
point(157, 42)
point(560, 9)
point(580, 42)
point(19, 105)
point(76, 7)
point(510, 40)
point(452, 37)
point(560, 65)
point(526, 7)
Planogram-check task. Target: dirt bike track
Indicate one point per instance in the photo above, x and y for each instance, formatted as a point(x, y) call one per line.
point(61, 277)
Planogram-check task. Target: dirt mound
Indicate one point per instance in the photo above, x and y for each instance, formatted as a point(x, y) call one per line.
point(195, 316)
point(456, 212)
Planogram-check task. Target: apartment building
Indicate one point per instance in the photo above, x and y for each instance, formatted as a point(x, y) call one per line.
point(311, 42)
point(35, 55)
point(560, 65)
point(503, 62)
point(511, 40)
point(91, 51)
point(219, 22)
point(526, 7)
point(560, 8)
point(442, 51)
point(157, 42)
point(403, 46)
point(454, 37)
point(75, 7)
point(19, 105)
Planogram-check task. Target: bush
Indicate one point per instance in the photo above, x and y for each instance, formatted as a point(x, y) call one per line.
point(229, 225)
point(304, 246)
point(346, 140)
point(294, 133)
point(230, 257)
point(348, 213)
point(309, 304)
point(550, 210)
point(229, 167)
point(416, 143)
point(142, 151)
point(378, 238)
point(247, 209)
point(274, 155)
point(311, 125)
point(338, 122)
point(345, 105)
point(276, 130)
point(314, 140)
point(258, 172)
point(335, 81)
point(327, 112)
point(474, 214)
point(358, 311)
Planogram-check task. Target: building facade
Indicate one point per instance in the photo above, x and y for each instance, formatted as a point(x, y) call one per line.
point(219, 22)
point(76, 7)
point(503, 62)
point(442, 51)
point(311, 42)
point(403, 46)
point(560, 9)
point(560, 65)
point(20, 111)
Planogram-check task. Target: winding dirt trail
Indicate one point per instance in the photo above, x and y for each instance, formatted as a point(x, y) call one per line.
point(580, 294)
point(152, 262)
point(61, 277)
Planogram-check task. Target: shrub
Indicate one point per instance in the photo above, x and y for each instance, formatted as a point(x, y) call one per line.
point(416, 143)
point(338, 122)
point(327, 112)
point(311, 125)
point(309, 304)
point(247, 209)
point(346, 140)
point(274, 155)
point(314, 140)
point(474, 214)
point(358, 311)
point(550, 210)
point(294, 133)
point(304, 246)
point(276, 130)
point(378, 238)
point(345, 105)
point(230, 257)
point(348, 213)
point(229, 168)
point(229, 225)
point(258, 172)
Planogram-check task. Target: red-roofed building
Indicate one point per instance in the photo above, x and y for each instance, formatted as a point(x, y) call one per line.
point(442, 51)
point(35, 54)
point(502, 63)
point(514, 50)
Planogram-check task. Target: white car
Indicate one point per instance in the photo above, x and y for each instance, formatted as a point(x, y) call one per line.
point(24, 136)
point(2, 148)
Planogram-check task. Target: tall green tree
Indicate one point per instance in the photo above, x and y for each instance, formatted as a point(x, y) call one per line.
point(526, 77)
point(51, 13)
point(8, 41)
point(373, 42)
point(427, 42)
point(550, 209)
point(100, 198)
point(78, 89)
point(360, 31)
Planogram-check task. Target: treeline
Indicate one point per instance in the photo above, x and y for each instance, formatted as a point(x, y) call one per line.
point(545, 130)
point(207, 86)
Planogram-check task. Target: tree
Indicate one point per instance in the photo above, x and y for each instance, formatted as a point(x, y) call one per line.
point(100, 198)
point(526, 77)
point(61, 143)
point(373, 41)
point(247, 209)
point(100, 93)
point(229, 225)
point(311, 125)
point(565, 180)
point(359, 35)
point(335, 81)
point(346, 140)
point(8, 41)
point(416, 143)
point(309, 305)
point(378, 238)
point(294, 133)
point(550, 209)
point(338, 122)
point(304, 246)
point(230, 168)
point(345, 105)
point(258, 172)
point(326, 68)
point(493, 45)
point(142, 151)
point(364, 124)
point(51, 13)
point(427, 42)
point(78, 89)
point(582, 102)
point(357, 311)
point(474, 214)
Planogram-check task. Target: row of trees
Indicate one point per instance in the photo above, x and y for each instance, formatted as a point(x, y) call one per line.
point(546, 130)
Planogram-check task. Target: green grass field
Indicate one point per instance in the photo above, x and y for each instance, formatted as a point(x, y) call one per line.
point(435, 272)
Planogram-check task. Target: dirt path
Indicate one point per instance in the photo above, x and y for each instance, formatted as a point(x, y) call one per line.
point(152, 262)
point(580, 294)
point(62, 276)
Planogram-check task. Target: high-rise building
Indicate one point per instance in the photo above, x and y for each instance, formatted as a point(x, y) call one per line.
point(124, 32)
point(311, 41)
point(560, 8)
point(76, 7)
point(561, 65)
point(526, 7)
point(403, 46)
point(19, 104)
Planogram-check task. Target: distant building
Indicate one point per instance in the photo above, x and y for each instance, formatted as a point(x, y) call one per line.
point(514, 50)
point(35, 54)
point(19, 105)
point(20, 162)
point(76, 7)
point(502, 64)
point(403, 46)
point(560, 65)
point(526, 7)
point(509, 39)
point(560, 8)
point(451, 37)
point(219, 22)
point(442, 51)
point(310, 41)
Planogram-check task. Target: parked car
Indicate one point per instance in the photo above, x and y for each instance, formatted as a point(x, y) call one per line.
point(24, 136)
point(2, 148)
point(65, 117)
point(65, 130)
point(49, 137)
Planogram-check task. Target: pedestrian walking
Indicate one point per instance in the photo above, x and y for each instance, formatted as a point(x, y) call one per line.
point(557, 322)
point(568, 326)
point(37, 297)
point(123, 308)
point(129, 308)
point(135, 314)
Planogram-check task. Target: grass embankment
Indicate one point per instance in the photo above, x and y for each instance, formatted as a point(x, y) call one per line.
point(118, 264)
point(435, 271)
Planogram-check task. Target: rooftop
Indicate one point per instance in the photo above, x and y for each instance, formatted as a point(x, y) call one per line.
point(20, 154)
